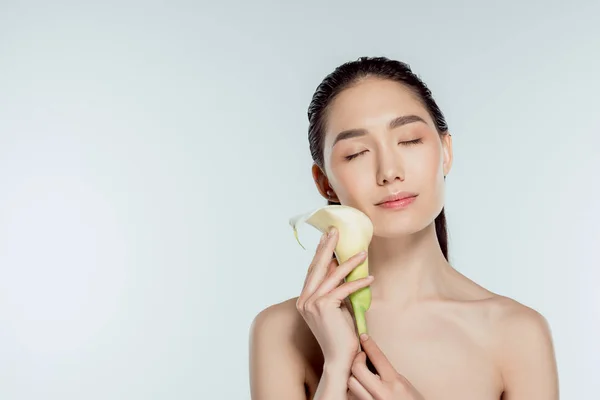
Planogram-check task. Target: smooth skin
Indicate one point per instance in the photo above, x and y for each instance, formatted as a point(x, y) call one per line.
point(433, 332)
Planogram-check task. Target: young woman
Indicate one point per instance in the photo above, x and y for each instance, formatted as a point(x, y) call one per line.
point(381, 144)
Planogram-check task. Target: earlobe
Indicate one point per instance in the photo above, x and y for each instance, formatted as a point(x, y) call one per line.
point(322, 183)
point(331, 196)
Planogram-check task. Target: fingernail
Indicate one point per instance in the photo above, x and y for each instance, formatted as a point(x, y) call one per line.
point(331, 231)
point(364, 337)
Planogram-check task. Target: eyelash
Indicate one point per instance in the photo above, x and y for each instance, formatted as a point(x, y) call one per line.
point(409, 143)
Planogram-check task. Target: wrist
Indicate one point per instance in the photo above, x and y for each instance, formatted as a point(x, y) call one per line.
point(333, 384)
point(336, 370)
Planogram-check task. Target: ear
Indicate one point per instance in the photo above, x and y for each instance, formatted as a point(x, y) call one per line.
point(447, 152)
point(323, 183)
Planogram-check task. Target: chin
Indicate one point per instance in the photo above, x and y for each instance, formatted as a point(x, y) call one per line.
point(402, 223)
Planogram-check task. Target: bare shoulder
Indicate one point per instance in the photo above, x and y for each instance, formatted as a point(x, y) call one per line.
point(519, 338)
point(524, 350)
point(278, 345)
point(279, 326)
point(509, 314)
point(280, 316)
point(514, 328)
point(511, 319)
point(502, 313)
point(508, 319)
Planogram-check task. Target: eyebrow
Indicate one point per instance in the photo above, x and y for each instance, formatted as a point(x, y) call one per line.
point(395, 123)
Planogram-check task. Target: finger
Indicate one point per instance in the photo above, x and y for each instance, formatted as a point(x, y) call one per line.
point(320, 261)
point(318, 266)
point(385, 369)
point(340, 273)
point(333, 264)
point(358, 390)
point(311, 268)
point(346, 289)
point(369, 381)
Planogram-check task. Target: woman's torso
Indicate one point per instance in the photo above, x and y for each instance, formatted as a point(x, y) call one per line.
point(446, 348)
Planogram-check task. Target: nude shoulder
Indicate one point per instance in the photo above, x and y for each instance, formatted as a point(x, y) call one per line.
point(281, 315)
point(278, 347)
point(500, 311)
point(509, 315)
point(524, 350)
point(496, 319)
point(282, 325)
point(281, 322)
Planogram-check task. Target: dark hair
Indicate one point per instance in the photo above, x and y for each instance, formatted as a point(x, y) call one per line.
point(347, 75)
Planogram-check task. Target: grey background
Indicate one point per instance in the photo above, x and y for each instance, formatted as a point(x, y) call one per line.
point(151, 154)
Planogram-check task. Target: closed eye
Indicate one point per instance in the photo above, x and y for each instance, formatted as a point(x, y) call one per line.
point(416, 141)
point(407, 143)
point(352, 156)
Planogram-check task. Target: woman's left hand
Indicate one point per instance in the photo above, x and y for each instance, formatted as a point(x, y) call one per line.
point(388, 385)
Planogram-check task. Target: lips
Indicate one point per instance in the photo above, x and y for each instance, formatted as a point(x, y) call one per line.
point(396, 197)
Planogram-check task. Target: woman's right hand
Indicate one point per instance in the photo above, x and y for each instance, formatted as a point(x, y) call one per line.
point(321, 303)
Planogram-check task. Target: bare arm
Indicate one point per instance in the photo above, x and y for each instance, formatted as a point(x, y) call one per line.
point(527, 357)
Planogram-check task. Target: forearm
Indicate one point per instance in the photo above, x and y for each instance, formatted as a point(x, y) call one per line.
point(333, 384)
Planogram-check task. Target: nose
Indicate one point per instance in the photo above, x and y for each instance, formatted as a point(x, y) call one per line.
point(390, 168)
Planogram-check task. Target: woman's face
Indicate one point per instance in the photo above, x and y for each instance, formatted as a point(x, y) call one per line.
point(372, 159)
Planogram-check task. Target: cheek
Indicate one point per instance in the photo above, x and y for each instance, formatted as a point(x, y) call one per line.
point(427, 168)
point(429, 178)
point(352, 185)
point(356, 184)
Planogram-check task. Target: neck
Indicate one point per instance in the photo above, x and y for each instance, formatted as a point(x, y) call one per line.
point(408, 268)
